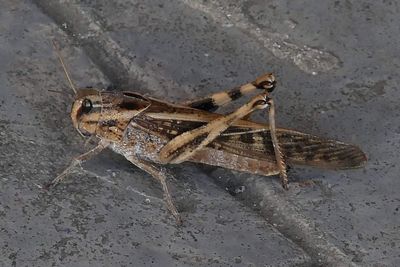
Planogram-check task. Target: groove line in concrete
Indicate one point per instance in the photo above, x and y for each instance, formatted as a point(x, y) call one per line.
point(115, 62)
point(118, 66)
point(279, 211)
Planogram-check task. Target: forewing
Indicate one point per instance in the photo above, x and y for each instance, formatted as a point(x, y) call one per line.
point(297, 148)
point(254, 141)
point(166, 128)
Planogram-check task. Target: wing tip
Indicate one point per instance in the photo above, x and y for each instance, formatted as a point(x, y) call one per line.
point(351, 157)
point(356, 158)
point(342, 157)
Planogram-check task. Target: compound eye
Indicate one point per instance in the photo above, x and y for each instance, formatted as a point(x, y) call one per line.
point(86, 105)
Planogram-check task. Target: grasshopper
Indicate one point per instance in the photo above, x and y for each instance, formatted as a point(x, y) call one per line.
point(151, 133)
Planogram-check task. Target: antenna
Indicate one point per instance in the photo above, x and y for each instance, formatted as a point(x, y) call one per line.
point(56, 48)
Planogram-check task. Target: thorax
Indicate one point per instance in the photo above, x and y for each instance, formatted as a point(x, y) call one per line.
point(138, 143)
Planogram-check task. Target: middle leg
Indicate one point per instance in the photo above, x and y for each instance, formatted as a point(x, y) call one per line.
point(160, 174)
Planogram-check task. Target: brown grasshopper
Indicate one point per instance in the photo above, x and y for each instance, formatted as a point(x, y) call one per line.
point(150, 133)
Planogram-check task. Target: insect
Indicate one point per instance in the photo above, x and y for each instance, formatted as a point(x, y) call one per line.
point(151, 133)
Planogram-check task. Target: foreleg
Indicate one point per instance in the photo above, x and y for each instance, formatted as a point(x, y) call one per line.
point(77, 161)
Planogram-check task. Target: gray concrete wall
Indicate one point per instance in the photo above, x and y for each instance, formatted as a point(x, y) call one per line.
point(337, 66)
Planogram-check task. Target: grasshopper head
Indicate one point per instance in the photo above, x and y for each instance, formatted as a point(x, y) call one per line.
point(86, 111)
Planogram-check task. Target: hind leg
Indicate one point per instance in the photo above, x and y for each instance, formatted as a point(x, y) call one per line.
point(214, 101)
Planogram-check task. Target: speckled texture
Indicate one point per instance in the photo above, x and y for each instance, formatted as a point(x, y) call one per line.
point(109, 212)
point(178, 50)
point(356, 100)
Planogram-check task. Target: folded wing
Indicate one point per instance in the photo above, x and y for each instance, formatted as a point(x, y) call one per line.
point(253, 140)
point(297, 147)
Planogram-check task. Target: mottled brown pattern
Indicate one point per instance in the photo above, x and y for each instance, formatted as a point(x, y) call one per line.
point(187, 147)
point(150, 132)
point(297, 147)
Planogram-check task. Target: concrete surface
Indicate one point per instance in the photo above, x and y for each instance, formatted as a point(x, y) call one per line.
point(119, 218)
point(337, 64)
